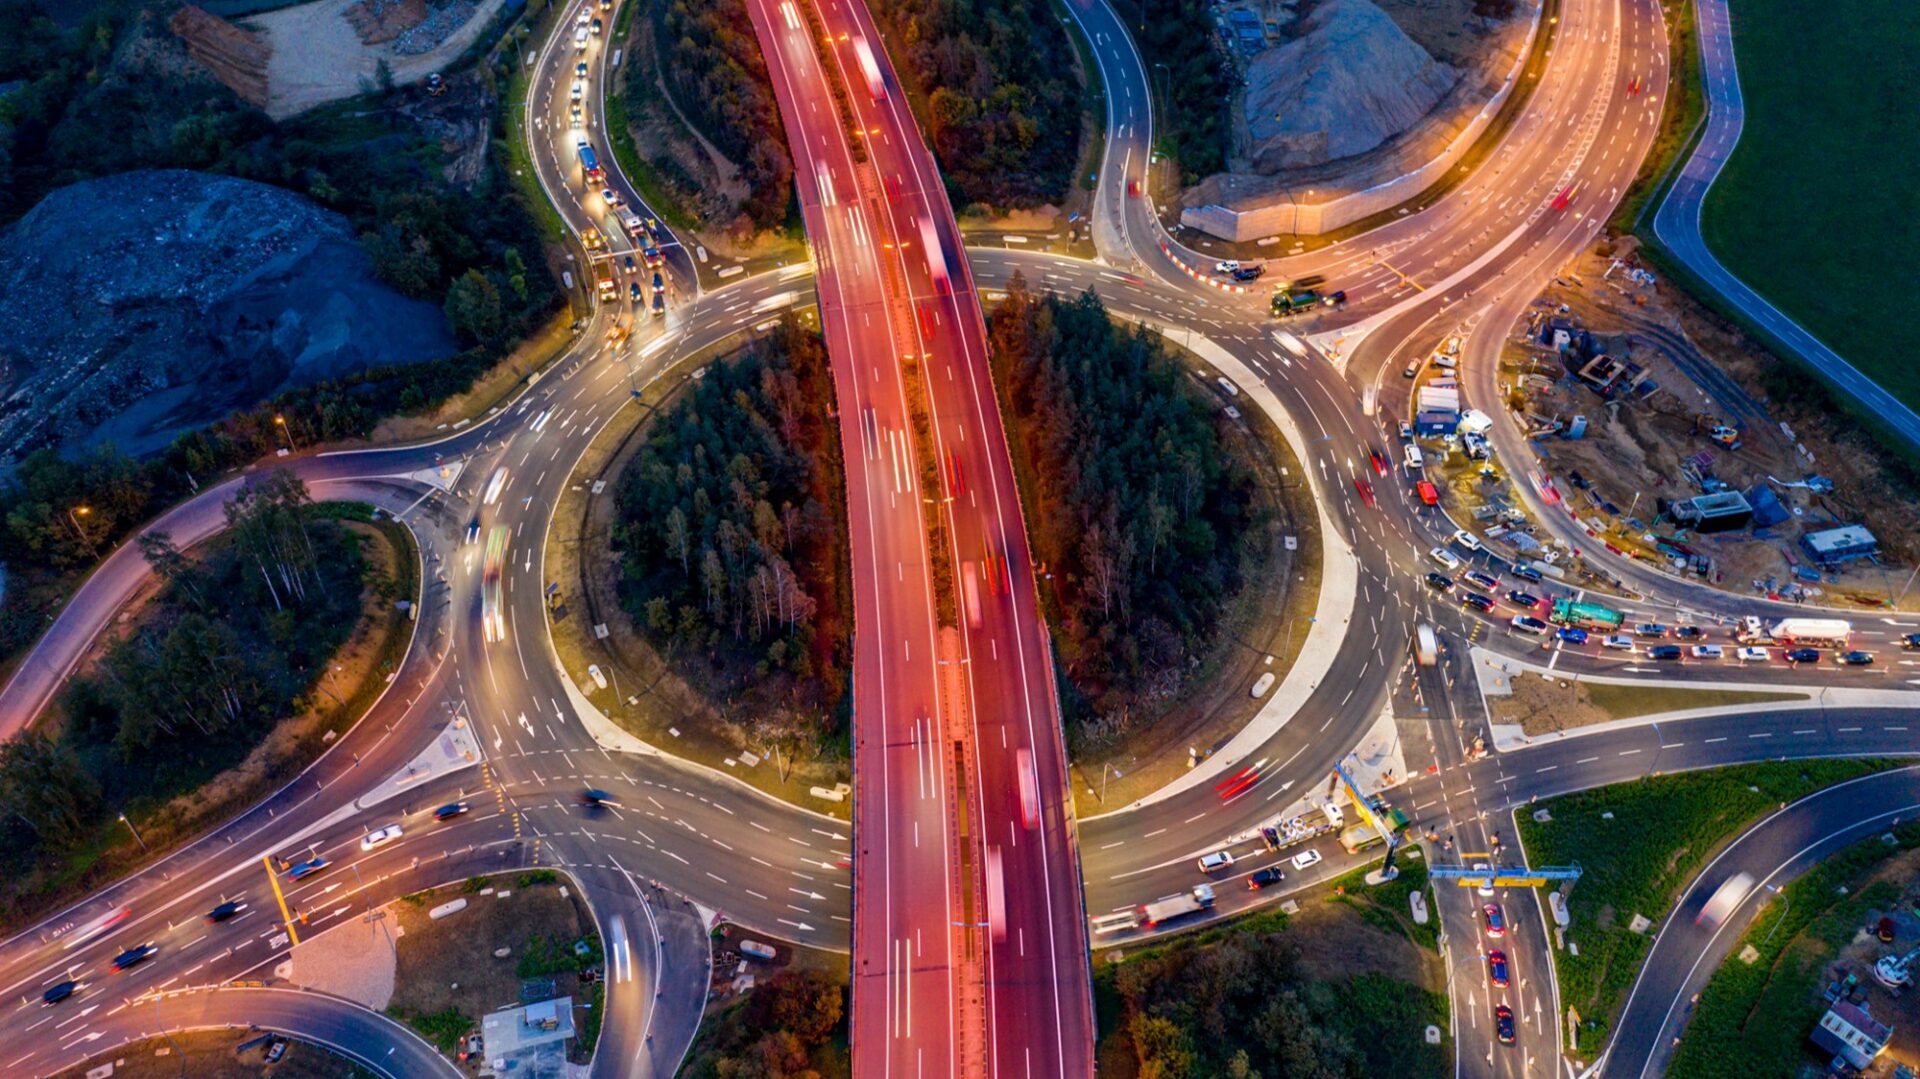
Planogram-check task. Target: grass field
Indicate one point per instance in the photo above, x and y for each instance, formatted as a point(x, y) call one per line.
point(1815, 208)
point(1753, 1018)
point(1638, 845)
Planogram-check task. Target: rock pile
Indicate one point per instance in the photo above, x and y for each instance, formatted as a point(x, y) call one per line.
point(138, 306)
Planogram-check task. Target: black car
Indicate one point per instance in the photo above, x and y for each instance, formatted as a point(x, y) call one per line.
point(591, 797)
point(1690, 633)
point(225, 910)
point(1527, 573)
point(133, 957)
point(1649, 629)
point(59, 992)
point(1260, 878)
point(1249, 273)
point(1271, 837)
point(1476, 600)
point(1439, 583)
point(1523, 599)
point(1911, 640)
point(1803, 655)
point(1503, 1024)
point(1664, 651)
point(1857, 658)
point(450, 811)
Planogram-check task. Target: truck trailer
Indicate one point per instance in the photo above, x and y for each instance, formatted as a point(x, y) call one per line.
point(1178, 906)
point(1798, 632)
point(1585, 615)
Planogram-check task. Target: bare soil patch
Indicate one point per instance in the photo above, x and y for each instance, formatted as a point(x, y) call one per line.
point(1545, 705)
point(217, 1054)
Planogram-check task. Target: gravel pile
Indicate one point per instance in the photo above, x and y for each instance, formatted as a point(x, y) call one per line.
point(435, 28)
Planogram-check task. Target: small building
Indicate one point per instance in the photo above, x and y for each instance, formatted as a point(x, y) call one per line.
point(529, 1040)
point(1851, 1035)
point(1435, 424)
point(1833, 546)
point(1721, 511)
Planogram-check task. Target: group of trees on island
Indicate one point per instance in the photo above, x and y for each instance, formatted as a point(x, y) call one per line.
point(783, 1030)
point(731, 527)
point(1139, 512)
point(718, 77)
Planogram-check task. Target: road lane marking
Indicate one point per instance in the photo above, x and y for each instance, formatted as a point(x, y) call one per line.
point(286, 918)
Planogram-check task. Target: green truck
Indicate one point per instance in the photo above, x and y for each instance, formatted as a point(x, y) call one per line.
point(1293, 301)
point(1585, 615)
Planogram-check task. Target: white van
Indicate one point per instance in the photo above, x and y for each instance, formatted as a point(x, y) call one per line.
point(1413, 456)
point(1707, 651)
point(1753, 654)
point(580, 39)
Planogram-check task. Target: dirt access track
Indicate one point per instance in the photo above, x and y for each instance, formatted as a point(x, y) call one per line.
point(318, 57)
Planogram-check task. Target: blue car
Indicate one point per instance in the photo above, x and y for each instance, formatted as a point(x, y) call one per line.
point(307, 869)
point(1572, 635)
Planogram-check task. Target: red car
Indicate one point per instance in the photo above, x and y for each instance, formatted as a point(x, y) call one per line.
point(1429, 494)
point(1379, 462)
point(1496, 920)
point(1366, 491)
point(1497, 969)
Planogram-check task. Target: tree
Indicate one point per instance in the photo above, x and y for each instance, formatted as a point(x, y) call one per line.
point(473, 307)
point(43, 785)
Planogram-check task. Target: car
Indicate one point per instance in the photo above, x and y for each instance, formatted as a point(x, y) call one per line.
point(576, 117)
point(1248, 273)
point(1496, 919)
point(1911, 640)
point(1618, 641)
point(1503, 1024)
point(224, 911)
point(1226, 266)
point(133, 957)
point(617, 333)
point(1752, 654)
point(659, 304)
point(380, 837)
point(635, 292)
point(1412, 456)
point(1527, 572)
point(1260, 878)
point(450, 811)
point(473, 530)
point(1649, 629)
point(1802, 655)
point(1485, 887)
point(1411, 370)
point(1479, 601)
point(1522, 599)
point(1336, 298)
point(1664, 651)
point(1467, 539)
point(593, 797)
point(1378, 462)
point(1527, 623)
point(1271, 837)
point(1406, 431)
point(580, 39)
point(612, 197)
point(1366, 492)
point(581, 19)
point(1706, 651)
point(599, 26)
point(1485, 580)
point(1429, 494)
point(1305, 859)
point(1497, 968)
point(1857, 658)
point(1439, 582)
point(659, 283)
point(1446, 558)
point(1133, 189)
point(1689, 633)
point(577, 91)
point(307, 868)
point(1215, 862)
point(1571, 635)
point(56, 994)
point(580, 70)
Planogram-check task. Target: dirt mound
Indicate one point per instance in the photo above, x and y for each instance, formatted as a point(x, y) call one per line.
point(236, 57)
point(380, 21)
point(1350, 82)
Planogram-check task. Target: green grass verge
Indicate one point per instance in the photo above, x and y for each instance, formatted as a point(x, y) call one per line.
point(1752, 1019)
point(1387, 906)
point(1639, 844)
point(1625, 702)
point(1815, 207)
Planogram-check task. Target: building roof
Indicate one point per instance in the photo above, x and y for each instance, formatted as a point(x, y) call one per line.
point(1721, 502)
point(1860, 1020)
point(1844, 538)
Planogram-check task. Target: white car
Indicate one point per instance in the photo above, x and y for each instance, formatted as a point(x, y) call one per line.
point(1707, 651)
point(578, 91)
point(1447, 559)
point(1215, 862)
point(1467, 539)
point(1753, 654)
point(1620, 641)
point(1305, 859)
point(578, 117)
point(1226, 266)
point(380, 837)
point(1486, 885)
point(1413, 458)
point(1527, 623)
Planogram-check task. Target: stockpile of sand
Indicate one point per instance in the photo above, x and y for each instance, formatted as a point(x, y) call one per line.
point(238, 58)
point(1351, 81)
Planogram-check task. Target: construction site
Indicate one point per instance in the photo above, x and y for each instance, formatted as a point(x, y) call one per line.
point(1675, 437)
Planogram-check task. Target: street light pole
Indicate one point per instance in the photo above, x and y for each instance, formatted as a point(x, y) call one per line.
point(74, 513)
point(136, 833)
point(280, 421)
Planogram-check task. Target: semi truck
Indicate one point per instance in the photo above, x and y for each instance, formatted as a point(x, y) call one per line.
point(1800, 632)
point(1585, 615)
point(590, 164)
point(1177, 906)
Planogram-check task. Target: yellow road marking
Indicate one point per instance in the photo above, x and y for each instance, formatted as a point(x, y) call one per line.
point(286, 916)
point(1403, 277)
